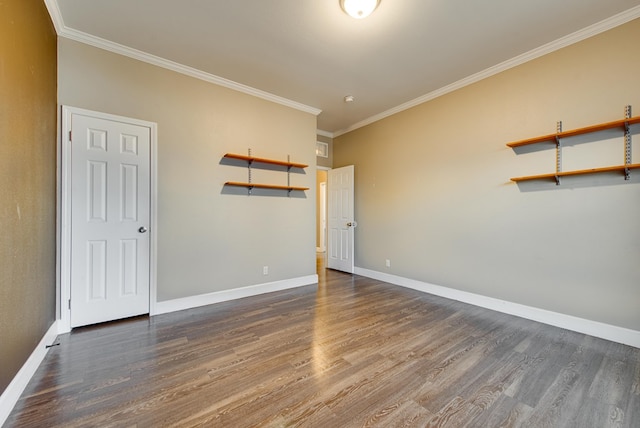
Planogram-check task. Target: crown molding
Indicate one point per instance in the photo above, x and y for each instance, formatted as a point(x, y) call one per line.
point(585, 33)
point(107, 45)
point(54, 13)
point(82, 37)
point(324, 133)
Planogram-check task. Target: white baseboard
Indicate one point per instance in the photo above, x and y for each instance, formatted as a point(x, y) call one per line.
point(236, 293)
point(593, 328)
point(12, 394)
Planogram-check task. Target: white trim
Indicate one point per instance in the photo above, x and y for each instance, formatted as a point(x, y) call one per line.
point(64, 149)
point(322, 149)
point(235, 293)
point(58, 210)
point(153, 218)
point(593, 328)
point(592, 30)
point(578, 36)
point(324, 133)
point(110, 46)
point(79, 36)
point(64, 244)
point(55, 14)
point(12, 393)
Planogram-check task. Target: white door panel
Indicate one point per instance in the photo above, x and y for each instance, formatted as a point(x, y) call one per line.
point(110, 215)
point(341, 222)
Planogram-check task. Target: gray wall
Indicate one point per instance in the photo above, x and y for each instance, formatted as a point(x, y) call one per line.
point(433, 193)
point(27, 181)
point(207, 241)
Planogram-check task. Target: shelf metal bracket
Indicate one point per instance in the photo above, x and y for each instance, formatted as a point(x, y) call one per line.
point(289, 175)
point(249, 162)
point(558, 152)
point(627, 143)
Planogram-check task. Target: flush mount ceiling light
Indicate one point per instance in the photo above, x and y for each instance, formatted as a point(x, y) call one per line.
point(359, 8)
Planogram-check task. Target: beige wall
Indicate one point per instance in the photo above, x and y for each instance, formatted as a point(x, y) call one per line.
point(207, 240)
point(27, 181)
point(433, 193)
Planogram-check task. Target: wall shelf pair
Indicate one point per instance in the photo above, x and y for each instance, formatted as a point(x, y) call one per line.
point(250, 160)
point(624, 125)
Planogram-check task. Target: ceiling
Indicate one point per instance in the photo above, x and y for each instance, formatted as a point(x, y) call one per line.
point(312, 54)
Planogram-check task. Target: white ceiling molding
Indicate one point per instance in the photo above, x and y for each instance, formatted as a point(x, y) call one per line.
point(56, 16)
point(346, 125)
point(107, 45)
point(324, 133)
point(585, 33)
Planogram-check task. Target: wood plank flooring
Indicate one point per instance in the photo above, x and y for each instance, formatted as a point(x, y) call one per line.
point(349, 352)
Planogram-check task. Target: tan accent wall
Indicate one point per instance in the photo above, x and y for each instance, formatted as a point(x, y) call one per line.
point(27, 180)
point(209, 239)
point(433, 193)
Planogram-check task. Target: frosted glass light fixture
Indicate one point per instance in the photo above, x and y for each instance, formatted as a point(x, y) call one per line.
point(359, 8)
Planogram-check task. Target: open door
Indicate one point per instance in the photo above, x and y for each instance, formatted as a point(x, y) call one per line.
point(341, 222)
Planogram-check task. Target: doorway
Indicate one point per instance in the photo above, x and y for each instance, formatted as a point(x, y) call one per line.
point(321, 210)
point(321, 218)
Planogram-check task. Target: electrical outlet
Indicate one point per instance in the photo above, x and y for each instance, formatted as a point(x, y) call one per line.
point(387, 263)
point(265, 270)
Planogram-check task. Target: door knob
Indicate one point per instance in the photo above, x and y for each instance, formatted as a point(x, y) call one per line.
point(142, 229)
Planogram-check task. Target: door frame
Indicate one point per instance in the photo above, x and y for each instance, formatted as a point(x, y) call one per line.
point(63, 291)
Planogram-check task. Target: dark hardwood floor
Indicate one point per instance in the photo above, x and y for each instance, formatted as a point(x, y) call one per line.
point(350, 352)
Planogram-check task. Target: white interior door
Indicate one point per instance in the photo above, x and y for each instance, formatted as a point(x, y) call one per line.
point(341, 222)
point(110, 217)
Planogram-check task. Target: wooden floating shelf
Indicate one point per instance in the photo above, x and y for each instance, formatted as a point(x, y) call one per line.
point(551, 138)
point(264, 186)
point(252, 159)
point(554, 175)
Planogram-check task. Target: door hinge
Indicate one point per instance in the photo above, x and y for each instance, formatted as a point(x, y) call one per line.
point(69, 304)
point(69, 135)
